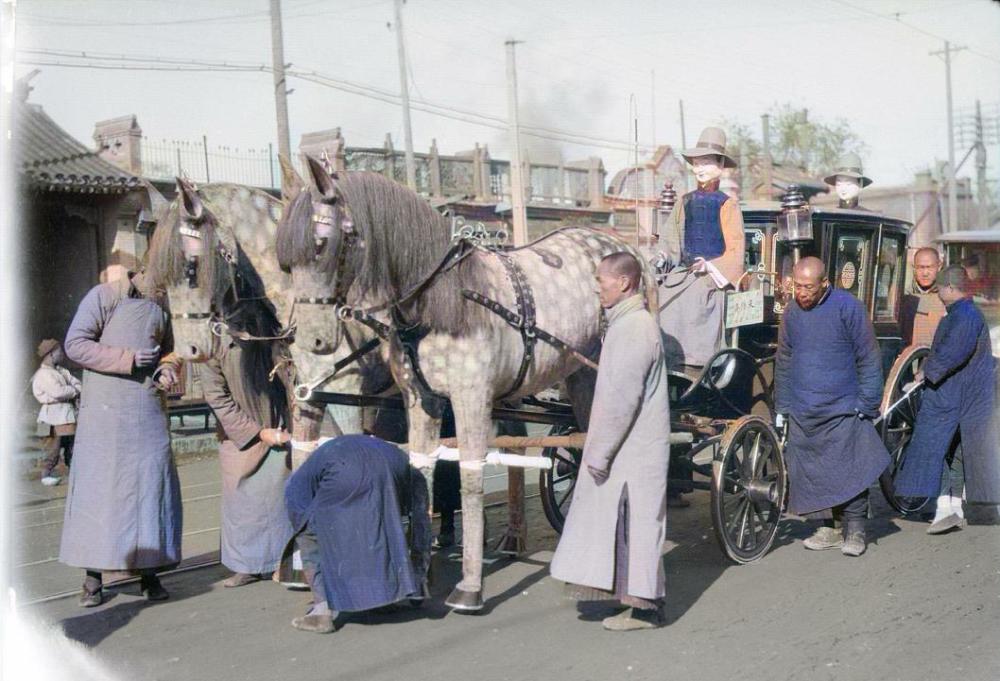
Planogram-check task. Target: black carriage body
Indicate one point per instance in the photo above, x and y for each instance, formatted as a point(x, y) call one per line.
point(864, 252)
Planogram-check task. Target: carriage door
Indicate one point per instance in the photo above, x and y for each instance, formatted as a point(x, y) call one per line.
point(850, 268)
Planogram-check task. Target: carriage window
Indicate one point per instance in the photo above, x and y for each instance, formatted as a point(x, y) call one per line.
point(888, 279)
point(753, 259)
point(850, 263)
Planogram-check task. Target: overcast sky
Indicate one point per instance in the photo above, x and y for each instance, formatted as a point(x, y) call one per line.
point(577, 67)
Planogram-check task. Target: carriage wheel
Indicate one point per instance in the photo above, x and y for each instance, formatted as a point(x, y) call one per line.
point(748, 489)
point(556, 484)
point(896, 430)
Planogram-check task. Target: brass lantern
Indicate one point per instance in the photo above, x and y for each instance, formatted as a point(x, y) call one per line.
point(795, 219)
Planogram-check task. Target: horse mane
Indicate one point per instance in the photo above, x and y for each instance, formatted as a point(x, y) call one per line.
point(404, 239)
point(237, 293)
point(244, 306)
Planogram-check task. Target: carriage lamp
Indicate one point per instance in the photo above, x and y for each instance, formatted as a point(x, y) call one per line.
point(795, 220)
point(668, 197)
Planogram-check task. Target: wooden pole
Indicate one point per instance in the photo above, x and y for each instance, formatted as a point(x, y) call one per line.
point(280, 87)
point(519, 213)
point(404, 93)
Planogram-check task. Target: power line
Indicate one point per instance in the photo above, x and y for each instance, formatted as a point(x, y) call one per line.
point(144, 63)
point(895, 18)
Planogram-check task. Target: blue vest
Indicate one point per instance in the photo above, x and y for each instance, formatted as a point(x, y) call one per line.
point(702, 228)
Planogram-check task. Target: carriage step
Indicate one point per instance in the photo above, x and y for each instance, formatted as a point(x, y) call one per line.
point(681, 438)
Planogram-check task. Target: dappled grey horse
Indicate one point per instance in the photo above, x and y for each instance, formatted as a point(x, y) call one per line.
point(464, 322)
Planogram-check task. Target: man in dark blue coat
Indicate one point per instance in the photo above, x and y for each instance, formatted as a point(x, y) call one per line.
point(345, 503)
point(828, 378)
point(960, 389)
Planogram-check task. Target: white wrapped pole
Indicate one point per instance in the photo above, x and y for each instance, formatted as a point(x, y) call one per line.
point(497, 457)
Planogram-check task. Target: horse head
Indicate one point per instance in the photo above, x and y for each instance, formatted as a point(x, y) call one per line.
point(317, 244)
point(192, 258)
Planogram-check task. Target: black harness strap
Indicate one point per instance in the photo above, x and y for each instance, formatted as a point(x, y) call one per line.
point(409, 337)
point(525, 302)
point(514, 320)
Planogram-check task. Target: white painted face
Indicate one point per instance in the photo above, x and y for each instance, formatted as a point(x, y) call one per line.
point(848, 188)
point(706, 168)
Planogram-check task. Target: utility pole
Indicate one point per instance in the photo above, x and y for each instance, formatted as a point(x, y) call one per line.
point(684, 143)
point(982, 192)
point(280, 91)
point(518, 212)
point(765, 122)
point(404, 93)
point(652, 108)
point(952, 187)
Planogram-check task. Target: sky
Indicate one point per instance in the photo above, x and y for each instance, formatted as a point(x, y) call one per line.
point(579, 65)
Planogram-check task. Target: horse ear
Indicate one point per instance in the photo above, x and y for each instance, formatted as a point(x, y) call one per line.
point(291, 182)
point(325, 183)
point(191, 206)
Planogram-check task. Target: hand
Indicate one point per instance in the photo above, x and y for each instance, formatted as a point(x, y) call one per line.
point(146, 358)
point(166, 377)
point(274, 437)
point(779, 421)
point(599, 476)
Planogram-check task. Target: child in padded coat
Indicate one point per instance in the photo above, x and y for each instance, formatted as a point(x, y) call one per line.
point(57, 390)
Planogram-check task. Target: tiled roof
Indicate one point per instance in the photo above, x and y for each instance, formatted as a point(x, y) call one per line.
point(53, 160)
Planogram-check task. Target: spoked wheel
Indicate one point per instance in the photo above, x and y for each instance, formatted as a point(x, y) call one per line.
point(748, 489)
point(896, 428)
point(556, 484)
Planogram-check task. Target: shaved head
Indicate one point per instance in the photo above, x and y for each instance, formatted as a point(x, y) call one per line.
point(810, 267)
point(624, 265)
point(926, 264)
point(809, 282)
point(618, 277)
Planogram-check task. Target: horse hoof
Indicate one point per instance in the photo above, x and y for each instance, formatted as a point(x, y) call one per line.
point(465, 601)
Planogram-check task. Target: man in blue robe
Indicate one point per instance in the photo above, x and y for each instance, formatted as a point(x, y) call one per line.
point(959, 375)
point(828, 378)
point(346, 503)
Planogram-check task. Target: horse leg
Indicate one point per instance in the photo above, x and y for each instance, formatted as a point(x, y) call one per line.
point(306, 420)
point(424, 436)
point(515, 538)
point(473, 425)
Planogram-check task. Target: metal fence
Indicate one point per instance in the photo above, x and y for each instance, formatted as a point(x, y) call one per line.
point(198, 160)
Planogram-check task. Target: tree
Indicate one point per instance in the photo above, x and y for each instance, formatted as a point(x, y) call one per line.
point(810, 145)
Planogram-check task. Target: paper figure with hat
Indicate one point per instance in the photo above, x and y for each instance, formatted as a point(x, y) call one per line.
point(848, 180)
point(704, 238)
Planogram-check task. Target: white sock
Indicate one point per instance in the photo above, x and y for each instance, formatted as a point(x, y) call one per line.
point(956, 507)
point(321, 608)
point(944, 508)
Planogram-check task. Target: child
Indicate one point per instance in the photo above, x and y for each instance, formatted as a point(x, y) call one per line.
point(57, 390)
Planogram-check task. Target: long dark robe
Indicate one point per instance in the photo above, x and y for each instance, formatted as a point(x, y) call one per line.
point(123, 510)
point(255, 526)
point(828, 380)
point(350, 493)
point(960, 374)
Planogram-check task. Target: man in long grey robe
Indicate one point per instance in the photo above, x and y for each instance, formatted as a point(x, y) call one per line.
point(255, 464)
point(610, 548)
point(123, 509)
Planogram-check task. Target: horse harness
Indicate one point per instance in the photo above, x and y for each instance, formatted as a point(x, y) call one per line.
point(410, 334)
